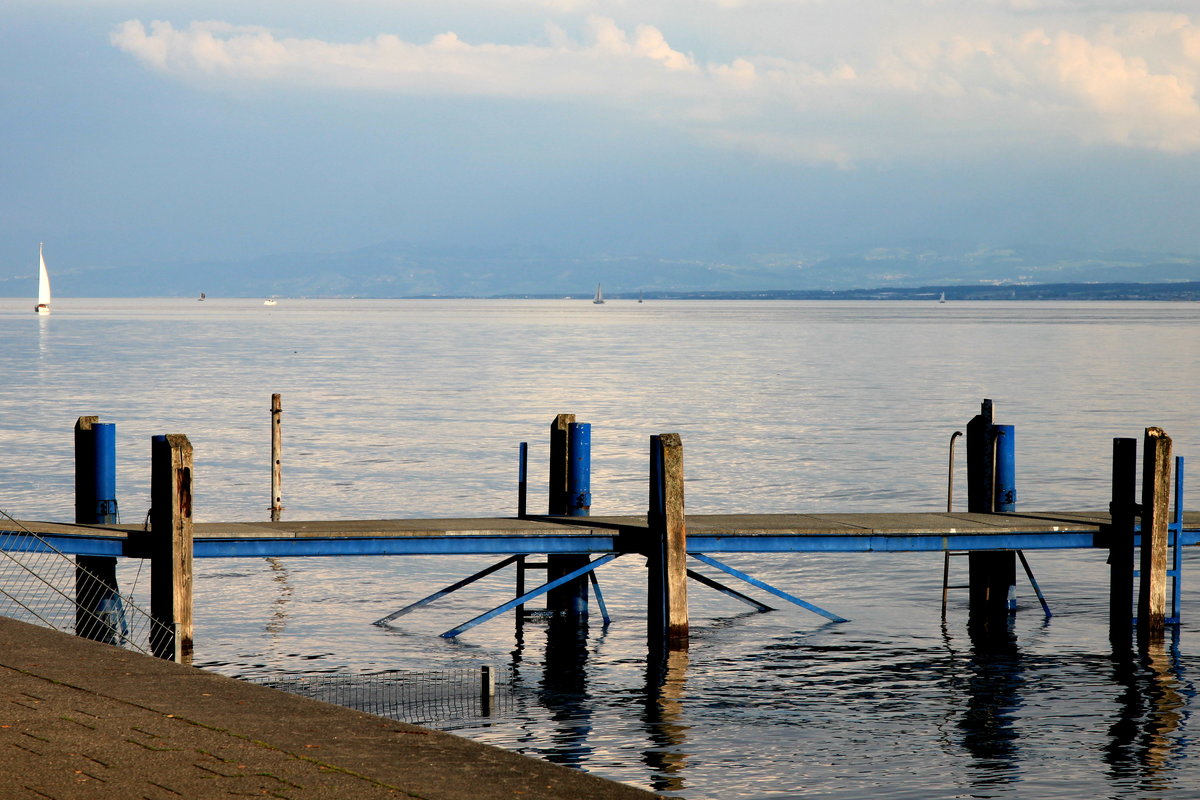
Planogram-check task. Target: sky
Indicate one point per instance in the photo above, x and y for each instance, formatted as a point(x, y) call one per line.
point(174, 131)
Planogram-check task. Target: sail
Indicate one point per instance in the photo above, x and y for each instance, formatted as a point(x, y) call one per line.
point(599, 295)
point(43, 303)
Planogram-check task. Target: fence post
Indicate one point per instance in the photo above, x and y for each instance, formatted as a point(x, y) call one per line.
point(1122, 511)
point(98, 609)
point(666, 600)
point(993, 574)
point(487, 689)
point(571, 599)
point(1156, 495)
point(276, 457)
point(171, 546)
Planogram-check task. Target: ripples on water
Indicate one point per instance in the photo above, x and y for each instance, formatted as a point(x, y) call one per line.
point(395, 408)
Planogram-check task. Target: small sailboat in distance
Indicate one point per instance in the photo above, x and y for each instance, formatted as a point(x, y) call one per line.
point(599, 298)
point(942, 299)
point(43, 303)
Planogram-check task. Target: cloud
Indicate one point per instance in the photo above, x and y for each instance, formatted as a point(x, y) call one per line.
point(1121, 78)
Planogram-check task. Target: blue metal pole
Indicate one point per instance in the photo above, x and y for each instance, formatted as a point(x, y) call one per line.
point(522, 479)
point(1177, 553)
point(105, 472)
point(579, 469)
point(1006, 468)
point(571, 599)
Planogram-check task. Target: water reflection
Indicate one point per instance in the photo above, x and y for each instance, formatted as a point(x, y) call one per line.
point(994, 700)
point(563, 691)
point(1153, 705)
point(663, 718)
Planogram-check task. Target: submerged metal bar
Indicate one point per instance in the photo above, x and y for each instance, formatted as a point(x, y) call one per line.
point(712, 562)
point(447, 590)
point(1033, 582)
point(600, 599)
point(545, 587)
point(734, 593)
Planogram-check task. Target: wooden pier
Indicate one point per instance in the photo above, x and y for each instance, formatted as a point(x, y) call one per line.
point(575, 544)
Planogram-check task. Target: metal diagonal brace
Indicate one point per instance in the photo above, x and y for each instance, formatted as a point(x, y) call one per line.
point(720, 587)
point(545, 587)
point(712, 562)
point(447, 590)
point(600, 599)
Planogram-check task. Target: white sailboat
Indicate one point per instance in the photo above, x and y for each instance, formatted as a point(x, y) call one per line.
point(599, 298)
point(942, 299)
point(43, 303)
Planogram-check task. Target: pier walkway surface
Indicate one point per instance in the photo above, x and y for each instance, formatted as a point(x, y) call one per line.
point(82, 721)
point(733, 533)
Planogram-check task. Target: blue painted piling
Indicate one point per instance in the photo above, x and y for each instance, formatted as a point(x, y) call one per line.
point(993, 575)
point(98, 612)
point(570, 458)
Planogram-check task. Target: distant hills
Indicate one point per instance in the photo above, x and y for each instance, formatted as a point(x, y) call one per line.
point(401, 269)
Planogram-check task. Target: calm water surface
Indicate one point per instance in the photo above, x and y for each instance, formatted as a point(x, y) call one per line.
point(415, 408)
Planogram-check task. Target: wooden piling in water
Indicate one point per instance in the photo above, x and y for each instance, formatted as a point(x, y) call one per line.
point(276, 457)
point(666, 595)
point(1123, 512)
point(171, 546)
point(1156, 495)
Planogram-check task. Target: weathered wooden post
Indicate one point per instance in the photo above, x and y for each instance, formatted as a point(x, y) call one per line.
point(571, 599)
point(1156, 495)
point(276, 457)
point(98, 609)
point(666, 595)
point(1123, 513)
point(171, 546)
point(993, 573)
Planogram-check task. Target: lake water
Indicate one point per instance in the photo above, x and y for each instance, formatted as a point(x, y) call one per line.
point(416, 408)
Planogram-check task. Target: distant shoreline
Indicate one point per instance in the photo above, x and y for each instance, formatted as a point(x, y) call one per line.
point(1182, 291)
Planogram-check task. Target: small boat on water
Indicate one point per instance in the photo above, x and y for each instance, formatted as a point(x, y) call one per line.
point(202, 296)
point(599, 298)
point(942, 299)
point(43, 302)
point(270, 301)
point(639, 297)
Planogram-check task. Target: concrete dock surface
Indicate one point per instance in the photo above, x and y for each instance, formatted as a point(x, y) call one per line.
point(79, 719)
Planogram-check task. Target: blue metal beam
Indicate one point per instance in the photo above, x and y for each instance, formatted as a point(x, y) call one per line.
point(424, 601)
point(734, 593)
point(712, 562)
point(545, 587)
point(458, 544)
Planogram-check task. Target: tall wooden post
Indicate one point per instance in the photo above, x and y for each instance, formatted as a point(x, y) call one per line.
point(993, 573)
point(171, 546)
point(1123, 512)
point(98, 612)
point(276, 457)
point(1156, 495)
point(666, 601)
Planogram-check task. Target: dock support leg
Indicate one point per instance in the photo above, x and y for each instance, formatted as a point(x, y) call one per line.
point(98, 609)
point(570, 468)
point(993, 574)
point(171, 547)
point(1156, 495)
point(1123, 510)
point(666, 600)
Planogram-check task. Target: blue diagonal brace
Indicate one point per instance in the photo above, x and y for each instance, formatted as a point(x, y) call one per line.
point(447, 590)
point(600, 599)
point(712, 562)
point(545, 587)
point(734, 593)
